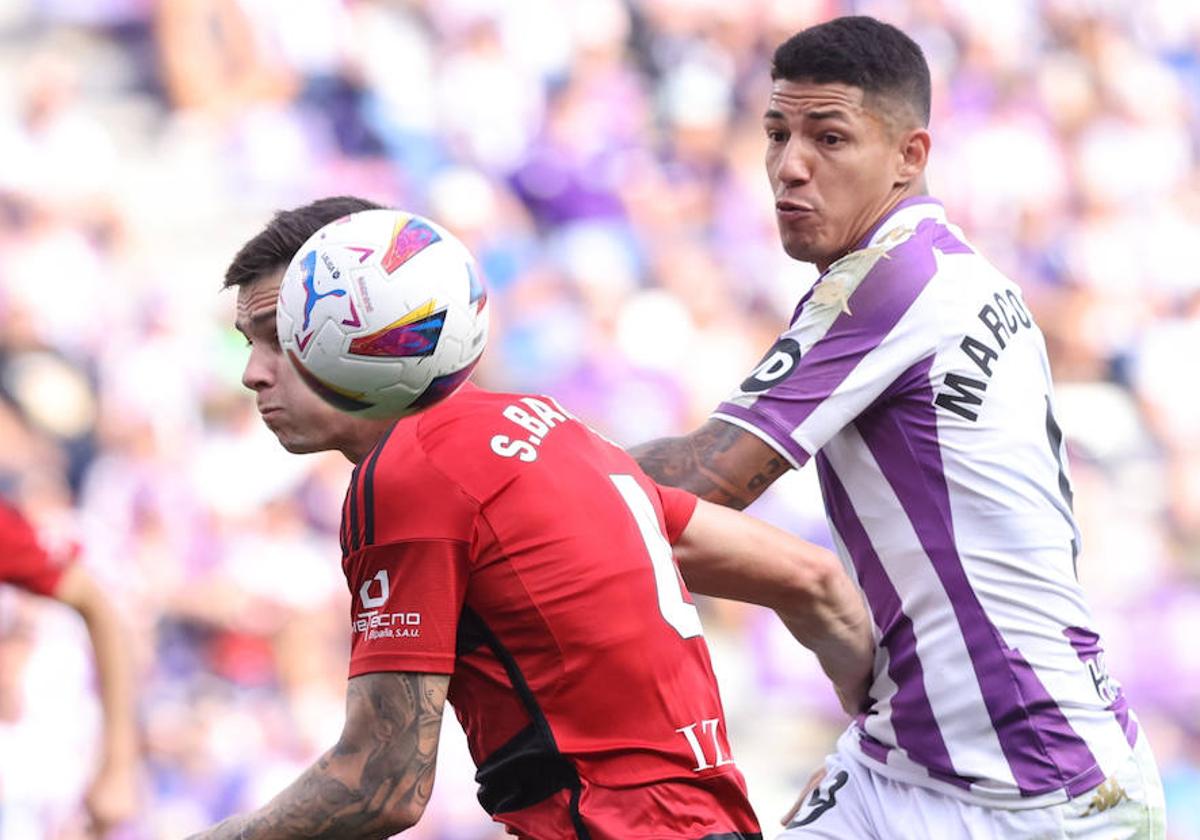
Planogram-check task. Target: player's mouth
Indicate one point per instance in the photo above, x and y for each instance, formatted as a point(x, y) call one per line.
point(791, 210)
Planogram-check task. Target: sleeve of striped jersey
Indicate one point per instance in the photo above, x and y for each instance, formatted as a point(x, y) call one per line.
point(24, 562)
point(835, 361)
point(678, 507)
point(407, 597)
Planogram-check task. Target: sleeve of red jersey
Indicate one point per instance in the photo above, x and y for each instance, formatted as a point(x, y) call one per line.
point(678, 507)
point(24, 562)
point(407, 597)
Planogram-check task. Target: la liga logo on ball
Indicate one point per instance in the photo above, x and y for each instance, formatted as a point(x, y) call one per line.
point(383, 313)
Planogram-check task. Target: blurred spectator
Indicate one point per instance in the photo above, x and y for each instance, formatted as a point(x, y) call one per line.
point(604, 160)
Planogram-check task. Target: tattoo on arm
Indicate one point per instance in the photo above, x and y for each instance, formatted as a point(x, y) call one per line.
point(378, 777)
point(718, 462)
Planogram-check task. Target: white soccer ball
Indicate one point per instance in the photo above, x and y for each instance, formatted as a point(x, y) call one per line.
point(383, 313)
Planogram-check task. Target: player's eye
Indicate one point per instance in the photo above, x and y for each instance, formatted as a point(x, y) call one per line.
point(831, 139)
point(776, 135)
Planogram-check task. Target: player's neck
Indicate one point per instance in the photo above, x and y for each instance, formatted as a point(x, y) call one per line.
point(366, 434)
point(911, 190)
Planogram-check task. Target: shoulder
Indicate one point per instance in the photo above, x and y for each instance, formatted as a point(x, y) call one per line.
point(449, 454)
point(900, 262)
point(875, 287)
point(15, 530)
point(455, 435)
point(404, 493)
point(26, 559)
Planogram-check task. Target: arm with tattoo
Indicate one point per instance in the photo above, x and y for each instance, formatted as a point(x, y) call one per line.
point(377, 778)
point(718, 462)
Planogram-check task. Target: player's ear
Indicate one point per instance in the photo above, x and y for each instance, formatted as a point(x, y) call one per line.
point(912, 155)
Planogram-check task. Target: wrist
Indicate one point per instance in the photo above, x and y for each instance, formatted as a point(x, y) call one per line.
point(118, 753)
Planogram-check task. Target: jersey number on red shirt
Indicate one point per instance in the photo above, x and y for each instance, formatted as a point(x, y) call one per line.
point(675, 610)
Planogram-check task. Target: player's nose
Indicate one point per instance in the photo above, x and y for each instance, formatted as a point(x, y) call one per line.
point(794, 164)
point(259, 372)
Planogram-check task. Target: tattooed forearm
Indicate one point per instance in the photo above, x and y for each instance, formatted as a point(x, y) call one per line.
point(718, 462)
point(375, 781)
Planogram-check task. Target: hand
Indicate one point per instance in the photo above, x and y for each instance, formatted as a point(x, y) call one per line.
point(812, 784)
point(111, 799)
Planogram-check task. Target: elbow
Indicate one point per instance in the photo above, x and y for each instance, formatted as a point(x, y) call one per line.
point(404, 821)
point(407, 806)
point(383, 801)
point(94, 612)
point(816, 581)
point(398, 818)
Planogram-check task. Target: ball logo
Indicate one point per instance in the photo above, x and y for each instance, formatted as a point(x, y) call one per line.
point(312, 296)
point(309, 282)
point(774, 367)
point(369, 601)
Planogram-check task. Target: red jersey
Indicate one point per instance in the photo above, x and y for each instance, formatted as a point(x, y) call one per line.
point(23, 560)
point(495, 538)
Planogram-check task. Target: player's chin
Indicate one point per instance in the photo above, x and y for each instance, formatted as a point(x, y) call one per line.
point(798, 247)
point(295, 442)
point(299, 446)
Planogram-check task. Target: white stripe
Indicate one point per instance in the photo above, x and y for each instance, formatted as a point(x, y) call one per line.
point(879, 724)
point(904, 344)
point(953, 690)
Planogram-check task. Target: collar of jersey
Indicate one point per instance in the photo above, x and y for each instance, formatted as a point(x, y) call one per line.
point(908, 212)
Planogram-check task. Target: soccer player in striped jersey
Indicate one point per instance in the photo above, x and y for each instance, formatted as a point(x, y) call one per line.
point(913, 373)
point(504, 557)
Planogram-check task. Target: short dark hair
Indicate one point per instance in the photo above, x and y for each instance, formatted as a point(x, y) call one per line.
point(275, 245)
point(859, 51)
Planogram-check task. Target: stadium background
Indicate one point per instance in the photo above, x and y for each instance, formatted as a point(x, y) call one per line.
point(604, 161)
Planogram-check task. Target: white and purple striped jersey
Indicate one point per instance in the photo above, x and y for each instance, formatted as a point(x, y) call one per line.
point(914, 373)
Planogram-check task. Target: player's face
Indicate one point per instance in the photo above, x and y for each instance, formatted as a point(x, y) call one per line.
point(835, 167)
point(301, 420)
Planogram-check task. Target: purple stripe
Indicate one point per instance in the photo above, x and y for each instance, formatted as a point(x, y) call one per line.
point(877, 305)
point(803, 300)
point(871, 746)
point(1087, 647)
point(946, 242)
point(768, 425)
point(1129, 726)
point(908, 202)
point(1120, 709)
point(917, 731)
point(1043, 752)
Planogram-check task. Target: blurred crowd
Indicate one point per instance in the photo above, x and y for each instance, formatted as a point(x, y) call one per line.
point(604, 160)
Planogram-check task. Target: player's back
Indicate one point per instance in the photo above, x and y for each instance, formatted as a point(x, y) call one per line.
point(581, 679)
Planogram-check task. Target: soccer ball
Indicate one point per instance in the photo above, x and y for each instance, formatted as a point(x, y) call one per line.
point(383, 313)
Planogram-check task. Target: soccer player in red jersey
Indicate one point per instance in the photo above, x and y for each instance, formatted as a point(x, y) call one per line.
point(26, 562)
point(505, 557)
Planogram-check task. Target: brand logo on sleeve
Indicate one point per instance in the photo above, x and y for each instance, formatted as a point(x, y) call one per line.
point(370, 601)
point(377, 624)
point(774, 367)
